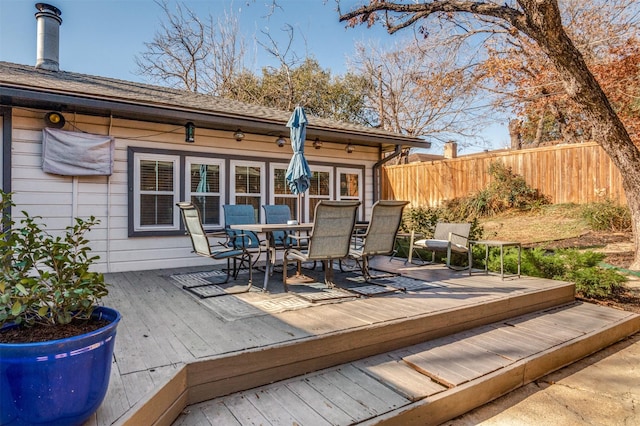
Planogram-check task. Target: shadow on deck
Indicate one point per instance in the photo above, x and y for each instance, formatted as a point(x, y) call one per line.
point(426, 350)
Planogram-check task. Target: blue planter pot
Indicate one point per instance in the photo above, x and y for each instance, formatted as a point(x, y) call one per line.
point(60, 382)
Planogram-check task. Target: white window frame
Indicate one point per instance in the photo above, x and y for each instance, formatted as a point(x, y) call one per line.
point(232, 182)
point(316, 168)
point(189, 160)
point(138, 157)
point(355, 171)
point(272, 183)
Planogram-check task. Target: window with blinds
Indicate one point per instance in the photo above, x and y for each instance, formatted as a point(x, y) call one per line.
point(281, 192)
point(248, 184)
point(350, 184)
point(156, 192)
point(205, 182)
point(321, 187)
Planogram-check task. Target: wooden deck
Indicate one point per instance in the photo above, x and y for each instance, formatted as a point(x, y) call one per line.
point(174, 350)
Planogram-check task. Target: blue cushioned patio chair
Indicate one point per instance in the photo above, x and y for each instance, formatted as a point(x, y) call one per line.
point(201, 246)
point(278, 213)
point(329, 240)
point(242, 214)
point(281, 240)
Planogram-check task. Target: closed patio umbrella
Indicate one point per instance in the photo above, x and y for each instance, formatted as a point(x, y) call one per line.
point(203, 186)
point(298, 173)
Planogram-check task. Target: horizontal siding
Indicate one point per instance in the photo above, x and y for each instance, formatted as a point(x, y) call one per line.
point(577, 173)
point(58, 199)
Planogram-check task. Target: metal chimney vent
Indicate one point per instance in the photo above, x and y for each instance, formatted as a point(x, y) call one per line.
point(48, 45)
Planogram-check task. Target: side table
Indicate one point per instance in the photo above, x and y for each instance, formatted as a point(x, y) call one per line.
point(411, 250)
point(494, 243)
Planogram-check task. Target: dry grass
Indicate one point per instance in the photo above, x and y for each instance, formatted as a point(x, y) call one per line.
point(549, 223)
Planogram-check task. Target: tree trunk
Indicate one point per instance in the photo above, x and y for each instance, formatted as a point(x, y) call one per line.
point(514, 134)
point(544, 25)
point(539, 128)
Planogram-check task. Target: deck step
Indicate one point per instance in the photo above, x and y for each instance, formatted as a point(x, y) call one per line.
point(431, 382)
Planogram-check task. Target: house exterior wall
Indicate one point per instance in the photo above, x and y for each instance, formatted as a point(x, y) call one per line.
point(58, 199)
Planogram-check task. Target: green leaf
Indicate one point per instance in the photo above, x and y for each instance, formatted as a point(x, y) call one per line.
point(16, 308)
point(21, 289)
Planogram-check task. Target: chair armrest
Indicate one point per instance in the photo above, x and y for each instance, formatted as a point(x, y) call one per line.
point(458, 239)
point(217, 234)
point(299, 237)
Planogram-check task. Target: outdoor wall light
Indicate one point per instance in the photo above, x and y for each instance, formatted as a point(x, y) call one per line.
point(280, 141)
point(349, 148)
point(238, 135)
point(54, 119)
point(317, 144)
point(190, 132)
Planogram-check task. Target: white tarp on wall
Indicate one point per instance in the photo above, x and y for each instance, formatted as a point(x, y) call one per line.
point(76, 154)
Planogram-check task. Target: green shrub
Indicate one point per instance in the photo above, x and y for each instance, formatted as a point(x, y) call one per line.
point(576, 259)
point(506, 191)
point(46, 279)
point(597, 283)
point(538, 262)
point(579, 267)
point(423, 220)
point(419, 219)
point(607, 216)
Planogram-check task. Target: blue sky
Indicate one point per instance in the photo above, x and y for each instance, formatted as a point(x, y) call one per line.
point(102, 37)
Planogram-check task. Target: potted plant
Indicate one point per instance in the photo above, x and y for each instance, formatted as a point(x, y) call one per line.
point(56, 342)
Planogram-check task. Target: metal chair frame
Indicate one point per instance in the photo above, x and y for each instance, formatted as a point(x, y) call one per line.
point(202, 247)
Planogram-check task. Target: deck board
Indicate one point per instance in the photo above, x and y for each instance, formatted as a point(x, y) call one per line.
point(299, 409)
point(389, 399)
point(337, 394)
point(243, 410)
point(269, 406)
point(219, 414)
point(399, 376)
point(323, 405)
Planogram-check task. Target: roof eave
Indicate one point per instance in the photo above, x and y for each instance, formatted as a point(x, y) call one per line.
point(168, 114)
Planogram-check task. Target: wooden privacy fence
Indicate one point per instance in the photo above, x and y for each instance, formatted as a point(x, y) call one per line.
point(577, 173)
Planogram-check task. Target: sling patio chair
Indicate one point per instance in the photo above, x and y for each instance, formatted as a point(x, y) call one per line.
point(379, 238)
point(448, 238)
point(202, 247)
point(242, 214)
point(329, 240)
